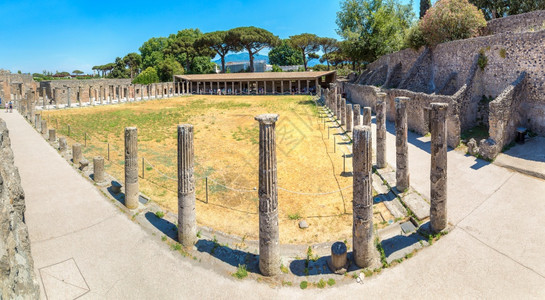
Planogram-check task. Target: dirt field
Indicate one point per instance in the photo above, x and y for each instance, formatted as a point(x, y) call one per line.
point(226, 152)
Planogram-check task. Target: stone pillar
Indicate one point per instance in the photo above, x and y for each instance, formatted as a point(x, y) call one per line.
point(44, 98)
point(62, 144)
point(402, 147)
point(349, 118)
point(131, 167)
point(119, 96)
point(187, 224)
point(101, 96)
point(367, 115)
point(381, 132)
point(362, 227)
point(269, 250)
point(338, 106)
point(357, 114)
point(52, 135)
point(438, 175)
point(79, 96)
point(282, 87)
point(308, 87)
point(298, 86)
point(343, 112)
point(98, 169)
point(68, 97)
point(44, 126)
point(76, 153)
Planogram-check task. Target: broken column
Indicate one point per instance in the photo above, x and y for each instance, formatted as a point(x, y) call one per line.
point(438, 175)
point(338, 107)
point(52, 135)
point(44, 98)
point(402, 147)
point(76, 153)
point(367, 115)
point(269, 252)
point(44, 126)
point(131, 167)
point(362, 226)
point(381, 131)
point(62, 144)
point(98, 169)
point(357, 115)
point(349, 118)
point(187, 224)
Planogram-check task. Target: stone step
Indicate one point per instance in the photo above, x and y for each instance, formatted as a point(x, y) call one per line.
point(417, 204)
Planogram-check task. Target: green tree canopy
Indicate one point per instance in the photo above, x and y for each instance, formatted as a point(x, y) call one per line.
point(373, 27)
point(424, 6)
point(148, 76)
point(133, 61)
point(306, 43)
point(152, 51)
point(496, 9)
point(77, 72)
point(184, 48)
point(328, 45)
point(285, 55)
point(253, 40)
point(218, 42)
point(169, 67)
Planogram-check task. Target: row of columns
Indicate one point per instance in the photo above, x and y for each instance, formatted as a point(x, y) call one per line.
point(252, 87)
point(349, 117)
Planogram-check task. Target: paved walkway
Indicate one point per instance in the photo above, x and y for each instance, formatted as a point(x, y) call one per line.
point(495, 249)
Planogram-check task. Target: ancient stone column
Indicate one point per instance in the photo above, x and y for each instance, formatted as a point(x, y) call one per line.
point(68, 98)
point(402, 146)
point(98, 169)
point(367, 115)
point(62, 144)
point(52, 135)
point(79, 96)
point(131, 167)
point(269, 250)
point(338, 107)
point(362, 228)
point(76, 153)
point(343, 112)
point(357, 115)
point(44, 98)
point(438, 175)
point(187, 224)
point(349, 118)
point(381, 132)
point(44, 126)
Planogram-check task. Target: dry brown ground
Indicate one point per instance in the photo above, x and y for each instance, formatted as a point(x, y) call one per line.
point(226, 151)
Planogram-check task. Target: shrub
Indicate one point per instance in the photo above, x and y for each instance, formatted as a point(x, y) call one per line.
point(414, 38)
point(148, 76)
point(482, 61)
point(241, 272)
point(160, 214)
point(450, 20)
point(303, 285)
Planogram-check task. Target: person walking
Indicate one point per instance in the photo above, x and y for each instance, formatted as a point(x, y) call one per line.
point(11, 106)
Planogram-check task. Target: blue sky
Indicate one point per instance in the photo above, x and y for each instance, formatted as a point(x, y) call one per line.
point(67, 35)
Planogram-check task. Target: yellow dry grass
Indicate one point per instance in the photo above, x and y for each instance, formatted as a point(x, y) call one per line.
point(226, 152)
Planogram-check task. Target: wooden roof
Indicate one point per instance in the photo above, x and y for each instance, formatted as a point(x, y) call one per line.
point(256, 76)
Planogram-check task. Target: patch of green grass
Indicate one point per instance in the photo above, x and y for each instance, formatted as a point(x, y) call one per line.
point(241, 272)
point(199, 234)
point(284, 269)
point(321, 284)
point(177, 247)
point(367, 272)
point(478, 133)
point(294, 216)
point(164, 238)
point(482, 60)
point(503, 53)
point(247, 134)
point(159, 214)
point(303, 285)
point(331, 282)
point(287, 283)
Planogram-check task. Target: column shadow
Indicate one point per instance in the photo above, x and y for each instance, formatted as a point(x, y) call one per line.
point(165, 226)
point(233, 257)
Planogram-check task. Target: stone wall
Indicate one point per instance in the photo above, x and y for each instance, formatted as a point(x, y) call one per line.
point(532, 21)
point(17, 277)
point(85, 86)
point(451, 69)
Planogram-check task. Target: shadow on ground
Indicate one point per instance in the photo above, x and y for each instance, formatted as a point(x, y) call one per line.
point(228, 255)
point(166, 227)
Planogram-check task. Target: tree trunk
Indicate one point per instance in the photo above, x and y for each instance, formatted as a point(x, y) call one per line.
point(251, 59)
point(304, 60)
point(223, 64)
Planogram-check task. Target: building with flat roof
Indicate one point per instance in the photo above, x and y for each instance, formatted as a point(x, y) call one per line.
point(256, 83)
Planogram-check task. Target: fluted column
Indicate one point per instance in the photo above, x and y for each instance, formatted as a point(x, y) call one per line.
point(343, 112)
point(357, 115)
point(338, 106)
point(438, 175)
point(362, 229)
point(187, 224)
point(269, 250)
point(402, 147)
point(381, 131)
point(131, 167)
